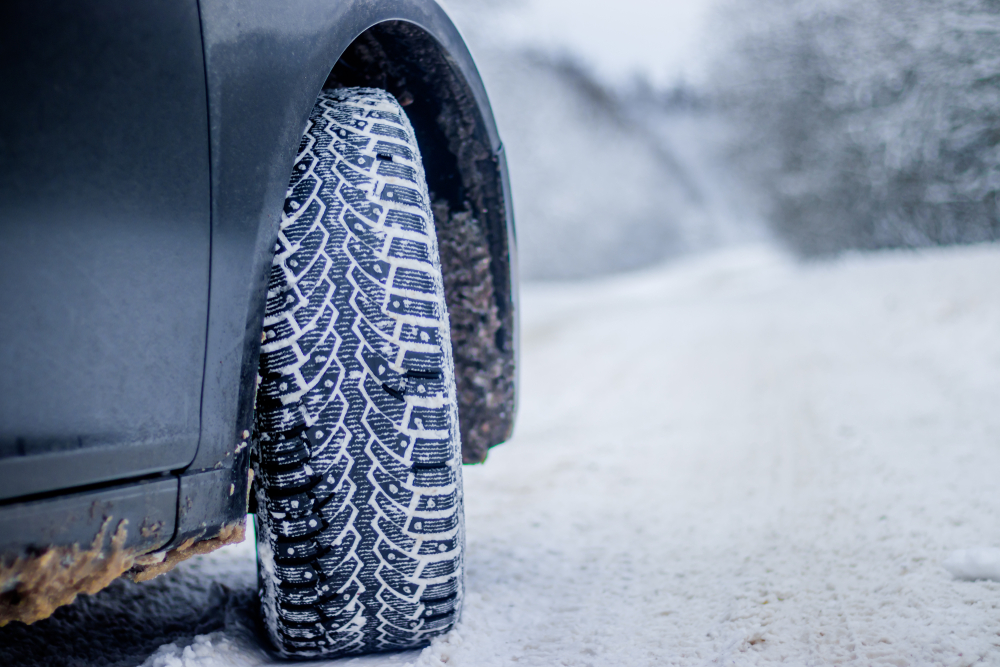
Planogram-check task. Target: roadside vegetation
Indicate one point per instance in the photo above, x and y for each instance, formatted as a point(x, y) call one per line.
point(867, 123)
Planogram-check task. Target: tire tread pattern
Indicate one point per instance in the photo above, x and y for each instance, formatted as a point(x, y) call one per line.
point(360, 532)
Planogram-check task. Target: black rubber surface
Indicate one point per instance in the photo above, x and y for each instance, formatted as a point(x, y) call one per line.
point(360, 526)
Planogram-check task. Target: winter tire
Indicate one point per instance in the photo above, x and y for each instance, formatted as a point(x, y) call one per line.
point(360, 531)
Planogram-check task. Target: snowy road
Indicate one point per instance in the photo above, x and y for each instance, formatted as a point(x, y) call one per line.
point(731, 460)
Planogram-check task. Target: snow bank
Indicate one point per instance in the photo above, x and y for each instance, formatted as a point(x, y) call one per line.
point(598, 187)
point(593, 194)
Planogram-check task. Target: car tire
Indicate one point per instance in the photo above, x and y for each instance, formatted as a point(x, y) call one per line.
point(359, 523)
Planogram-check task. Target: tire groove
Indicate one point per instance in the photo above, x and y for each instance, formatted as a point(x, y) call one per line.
point(356, 586)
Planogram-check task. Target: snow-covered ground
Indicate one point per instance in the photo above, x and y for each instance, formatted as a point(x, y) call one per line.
point(732, 459)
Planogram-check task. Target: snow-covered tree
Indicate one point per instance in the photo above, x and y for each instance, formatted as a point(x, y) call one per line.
point(870, 123)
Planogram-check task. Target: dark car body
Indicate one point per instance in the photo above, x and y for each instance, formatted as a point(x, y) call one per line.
point(145, 151)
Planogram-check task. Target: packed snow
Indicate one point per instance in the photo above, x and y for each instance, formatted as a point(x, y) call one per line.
point(732, 459)
point(972, 564)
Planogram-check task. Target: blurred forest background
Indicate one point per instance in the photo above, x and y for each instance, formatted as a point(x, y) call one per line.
point(638, 131)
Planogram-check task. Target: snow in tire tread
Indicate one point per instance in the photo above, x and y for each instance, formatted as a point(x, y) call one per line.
point(359, 522)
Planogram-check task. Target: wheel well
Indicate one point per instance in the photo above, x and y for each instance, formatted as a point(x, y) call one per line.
point(403, 59)
point(464, 180)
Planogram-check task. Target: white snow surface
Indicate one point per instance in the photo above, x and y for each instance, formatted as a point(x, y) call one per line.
point(734, 459)
point(972, 564)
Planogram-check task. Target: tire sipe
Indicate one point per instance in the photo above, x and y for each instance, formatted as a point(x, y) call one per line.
point(360, 532)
